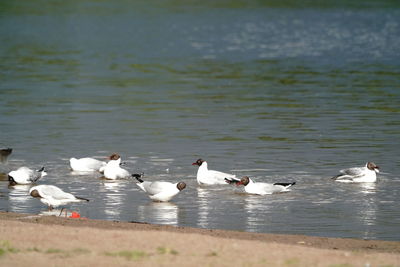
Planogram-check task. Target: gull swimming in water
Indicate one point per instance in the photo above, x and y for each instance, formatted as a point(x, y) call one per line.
point(113, 169)
point(53, 196)
point(366, 174)
point(160, 191)
point(4, 153)
point(86, 164)
point(210, 177)
point(252, 187)
point(24, 175)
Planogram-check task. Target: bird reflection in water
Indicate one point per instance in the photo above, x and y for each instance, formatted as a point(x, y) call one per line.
point(203, 196)
point(256, 208)
point(159, 213)
point(114, 193)
point(19, 198)
point(367, 188)
point(368, 209)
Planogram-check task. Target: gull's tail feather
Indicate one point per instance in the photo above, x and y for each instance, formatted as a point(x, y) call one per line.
point(138, 176)
point(81, 198)
point(339, 176)
point(40, 173)
point(232, 181)
point(41, 169)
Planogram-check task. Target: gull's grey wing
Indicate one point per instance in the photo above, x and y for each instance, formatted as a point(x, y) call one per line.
point(36, 175)
point(353, 171)
point(350, 173)
point(154, 188)
point(54, 192)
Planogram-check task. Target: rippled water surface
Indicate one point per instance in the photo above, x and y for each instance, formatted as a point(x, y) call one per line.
point(278, 91)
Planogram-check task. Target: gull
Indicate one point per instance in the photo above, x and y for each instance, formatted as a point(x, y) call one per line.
point(86, 164)
point(159, 190)
point(113, 170)
point(366, 174)
point(252, 187)
point(53, 196)
point(4, 153)
point(210, 177)
point(24, 175)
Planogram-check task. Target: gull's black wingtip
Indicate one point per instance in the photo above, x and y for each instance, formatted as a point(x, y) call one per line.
point(137, 176)
point(285, 184)
point(228, 181)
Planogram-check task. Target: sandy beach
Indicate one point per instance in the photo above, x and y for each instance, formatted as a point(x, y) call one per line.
point(59, 241)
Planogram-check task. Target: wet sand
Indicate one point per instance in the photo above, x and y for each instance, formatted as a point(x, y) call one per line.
point(27, 239)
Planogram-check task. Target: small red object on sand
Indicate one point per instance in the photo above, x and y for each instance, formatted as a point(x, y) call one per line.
point(75, 215)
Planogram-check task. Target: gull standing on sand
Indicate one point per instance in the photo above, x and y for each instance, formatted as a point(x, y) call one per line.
point(366, 174)
point(53, 196)
point(160, 191)
point(24, 175)
point(86, 164)
point(210, 177)
point(252, 187)
point(113, 170)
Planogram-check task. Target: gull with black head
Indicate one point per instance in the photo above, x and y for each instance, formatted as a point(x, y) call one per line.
point(159, 190)
point(366, 174)
point(252, 187)
point(113, 170)
point(53, 196)
point(210, 177)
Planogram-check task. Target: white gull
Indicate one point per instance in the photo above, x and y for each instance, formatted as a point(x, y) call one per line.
point(159, 190)
point(210, 177)
point(24, 175)
point(86, 164)
point(113, 170)
point(366, 174)
point(53, 196)
point(252, 187)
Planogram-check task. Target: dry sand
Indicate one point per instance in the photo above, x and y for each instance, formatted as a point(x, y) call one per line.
point(27, 240)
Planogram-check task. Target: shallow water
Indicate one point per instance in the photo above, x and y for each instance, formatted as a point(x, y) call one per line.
point(275, 91)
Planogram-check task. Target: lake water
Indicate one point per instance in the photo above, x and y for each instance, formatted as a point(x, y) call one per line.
point(278, 91)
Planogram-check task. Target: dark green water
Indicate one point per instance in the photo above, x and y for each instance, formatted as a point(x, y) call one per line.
point(277, 90)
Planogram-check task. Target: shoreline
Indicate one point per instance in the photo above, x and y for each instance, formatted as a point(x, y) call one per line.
point(27, 238)
point(305, 240)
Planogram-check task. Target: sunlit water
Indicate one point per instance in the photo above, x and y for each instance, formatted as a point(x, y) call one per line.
point(278, 92)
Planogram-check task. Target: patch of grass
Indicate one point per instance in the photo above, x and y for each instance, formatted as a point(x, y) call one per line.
point(292, 261)
point(34, 249)
point(163, 250)
point(54, 251)
point(212, 254)
point(60, 252)
point(2, 252)
point(80, 251)
point(128, 254)
point(5, 245)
